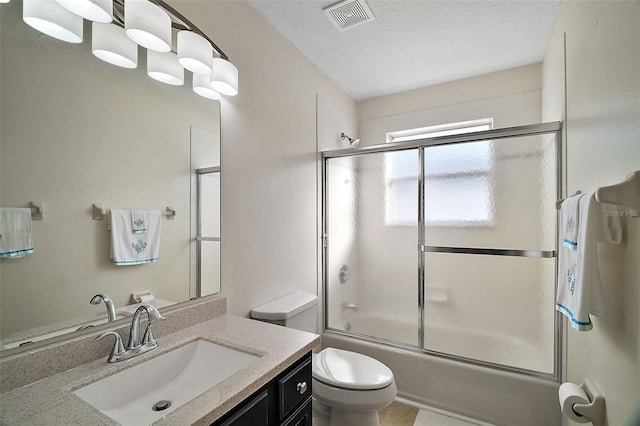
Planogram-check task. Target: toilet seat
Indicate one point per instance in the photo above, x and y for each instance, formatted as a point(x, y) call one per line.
point(350, 371)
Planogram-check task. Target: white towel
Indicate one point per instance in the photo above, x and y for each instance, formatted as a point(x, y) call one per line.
point(611, 227)
point(128, 248)
point(139, 220)
point(569, 218)
point(15, 232)
point(579, 289)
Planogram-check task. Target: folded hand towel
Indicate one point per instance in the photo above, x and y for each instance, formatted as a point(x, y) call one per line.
point(128, 248)
point(139, 220)
point(579, 289)
point(15, 232)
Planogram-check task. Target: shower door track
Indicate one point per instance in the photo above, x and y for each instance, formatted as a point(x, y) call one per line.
point(554, 127)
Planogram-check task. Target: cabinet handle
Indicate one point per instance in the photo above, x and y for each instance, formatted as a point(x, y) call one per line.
point(301, 387)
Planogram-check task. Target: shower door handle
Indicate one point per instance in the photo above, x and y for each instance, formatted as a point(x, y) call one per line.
point(487, 251)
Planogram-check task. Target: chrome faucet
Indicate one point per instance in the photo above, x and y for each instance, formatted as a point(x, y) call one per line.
point(111, 310)
point(135, 346)
point(147, 337)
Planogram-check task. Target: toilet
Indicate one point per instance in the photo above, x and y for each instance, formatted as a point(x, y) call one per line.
point(348, 388)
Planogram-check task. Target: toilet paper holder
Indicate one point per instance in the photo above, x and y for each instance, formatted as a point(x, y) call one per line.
point(594, 411)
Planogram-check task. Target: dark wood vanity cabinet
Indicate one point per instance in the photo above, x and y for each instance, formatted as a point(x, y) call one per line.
point(284, 401)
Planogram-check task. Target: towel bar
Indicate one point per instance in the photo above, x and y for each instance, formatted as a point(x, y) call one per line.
point(625, 194)
point(99, 211)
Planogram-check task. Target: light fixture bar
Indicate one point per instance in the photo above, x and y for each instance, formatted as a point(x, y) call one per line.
point(178, 22)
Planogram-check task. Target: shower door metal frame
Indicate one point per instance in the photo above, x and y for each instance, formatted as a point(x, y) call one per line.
point(554, 127)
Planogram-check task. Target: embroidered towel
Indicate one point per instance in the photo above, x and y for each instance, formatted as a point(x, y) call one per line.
point(579, 289)
point(128, 248)
point(139, 220)
point(15, 232)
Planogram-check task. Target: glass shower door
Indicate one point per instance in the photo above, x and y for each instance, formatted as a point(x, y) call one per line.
point(488, 243)
point(371, 272)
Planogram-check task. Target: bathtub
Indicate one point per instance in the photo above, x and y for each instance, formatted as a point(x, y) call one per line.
point(487, 394)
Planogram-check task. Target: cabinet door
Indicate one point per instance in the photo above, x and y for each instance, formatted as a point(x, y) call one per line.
point(254, 412)
point(302, 416)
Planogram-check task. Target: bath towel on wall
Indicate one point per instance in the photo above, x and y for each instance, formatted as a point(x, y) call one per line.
point(15, 232)
point(579, 288)
point(129, 248)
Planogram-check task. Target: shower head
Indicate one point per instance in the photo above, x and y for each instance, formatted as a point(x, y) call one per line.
point(352, 142)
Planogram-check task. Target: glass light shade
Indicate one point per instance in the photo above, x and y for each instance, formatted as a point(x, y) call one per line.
point(224, 78)
point(110, 43)
point(164, 67)
point(202, 86)
point(194, 52)
point(148, 25)
point(50, 18)
point(4, 1)
point(93, 10)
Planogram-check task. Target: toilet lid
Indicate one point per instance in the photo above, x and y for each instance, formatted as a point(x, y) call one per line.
point(350, 370)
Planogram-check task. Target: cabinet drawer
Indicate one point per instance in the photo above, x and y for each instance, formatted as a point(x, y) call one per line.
point(294, 387)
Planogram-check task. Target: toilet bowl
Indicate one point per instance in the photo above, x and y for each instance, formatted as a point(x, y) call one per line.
point(348, 388)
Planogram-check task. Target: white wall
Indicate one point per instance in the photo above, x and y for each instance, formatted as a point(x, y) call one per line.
point(603, 145)
point(268, 158)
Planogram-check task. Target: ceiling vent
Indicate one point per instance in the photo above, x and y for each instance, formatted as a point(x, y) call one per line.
point(349, 13)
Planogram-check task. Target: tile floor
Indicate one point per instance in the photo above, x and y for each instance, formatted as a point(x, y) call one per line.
point(399, 414)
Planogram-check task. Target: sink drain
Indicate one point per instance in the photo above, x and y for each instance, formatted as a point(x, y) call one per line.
point(161, 405)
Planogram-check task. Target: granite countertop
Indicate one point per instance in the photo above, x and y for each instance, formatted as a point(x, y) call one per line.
point(51, 402)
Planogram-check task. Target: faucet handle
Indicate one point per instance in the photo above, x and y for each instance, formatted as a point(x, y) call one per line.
point(118, 348)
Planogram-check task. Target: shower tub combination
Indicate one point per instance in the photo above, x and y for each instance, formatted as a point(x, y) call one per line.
point(439, 262)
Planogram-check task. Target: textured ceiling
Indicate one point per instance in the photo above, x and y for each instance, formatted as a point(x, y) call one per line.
point(415, 43)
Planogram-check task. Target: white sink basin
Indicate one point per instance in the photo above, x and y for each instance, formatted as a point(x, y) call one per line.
point(178, 376)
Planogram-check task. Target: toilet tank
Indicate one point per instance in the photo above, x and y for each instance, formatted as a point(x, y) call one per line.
point(297, 310)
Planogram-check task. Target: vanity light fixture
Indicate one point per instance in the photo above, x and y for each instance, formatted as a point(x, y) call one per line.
point(93, 10)
point(202, 86)
point(50, 18)
point(4, 1)
point(120, 26)
point(148, 25)
point(164, 67)
point(194, 52)
point(110, 43)
point(224, 78)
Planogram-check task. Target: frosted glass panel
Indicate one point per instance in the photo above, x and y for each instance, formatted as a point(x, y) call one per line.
point(491, 308)
point(491, 194)
point(209, 204)
point(371, 269)
point(209, 267)
point(459, 158)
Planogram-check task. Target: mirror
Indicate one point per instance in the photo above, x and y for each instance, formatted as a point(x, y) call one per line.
point(77, 131)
